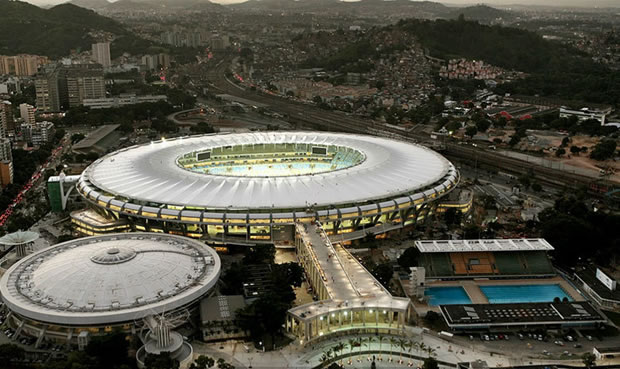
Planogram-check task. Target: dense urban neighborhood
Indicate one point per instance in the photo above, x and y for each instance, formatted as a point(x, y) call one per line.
point(309, 184)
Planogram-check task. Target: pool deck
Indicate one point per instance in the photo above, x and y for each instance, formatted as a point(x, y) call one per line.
point(472, 288)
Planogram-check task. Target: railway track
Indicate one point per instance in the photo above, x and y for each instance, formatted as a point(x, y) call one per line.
point(304, 115)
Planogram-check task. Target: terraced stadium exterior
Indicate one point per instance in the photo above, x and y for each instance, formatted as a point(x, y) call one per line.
point(253, 187)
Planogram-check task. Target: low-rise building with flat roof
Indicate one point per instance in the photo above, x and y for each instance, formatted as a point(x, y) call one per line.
point(99, 140)
point(476, 317)
point(602, 353)
point(122, 100)
point(600, 287)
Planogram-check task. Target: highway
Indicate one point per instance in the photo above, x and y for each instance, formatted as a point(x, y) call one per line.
point(307, 115)
point(33, 181)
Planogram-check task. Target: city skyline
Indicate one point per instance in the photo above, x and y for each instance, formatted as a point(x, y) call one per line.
point(312, 184)
point(554, 3)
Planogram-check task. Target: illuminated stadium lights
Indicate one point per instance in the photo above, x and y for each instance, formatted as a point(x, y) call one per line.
point(253, 187)
point(350, 300)
point(277, 160)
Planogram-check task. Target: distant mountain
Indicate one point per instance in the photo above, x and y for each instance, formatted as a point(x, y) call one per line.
point(404, 8)
point(482, 13)
point(25, 28)
point(90, 4)
point(127, 5)
point(169, 4)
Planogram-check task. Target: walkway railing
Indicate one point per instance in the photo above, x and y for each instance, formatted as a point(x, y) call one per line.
point(395, 355)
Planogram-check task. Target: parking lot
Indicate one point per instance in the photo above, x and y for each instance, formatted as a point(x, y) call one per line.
point(540, 345)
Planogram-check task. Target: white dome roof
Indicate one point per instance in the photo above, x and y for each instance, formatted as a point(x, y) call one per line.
point(150, 173)
point(108, 279)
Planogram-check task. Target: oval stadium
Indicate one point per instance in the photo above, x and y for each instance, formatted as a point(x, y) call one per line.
point(116, 281)
point(254, 187)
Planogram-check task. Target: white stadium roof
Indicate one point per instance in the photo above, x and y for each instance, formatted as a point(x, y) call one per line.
point(149, 173)
point(110, 279)
point(524, 244)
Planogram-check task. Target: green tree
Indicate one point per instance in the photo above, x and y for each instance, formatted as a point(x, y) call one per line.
point(202, 362)
point(10, 352)
point(76, 137)
point(409, 258)
point(588, 359)
point(59, 134)
point(161, 361)
point(453, 126)
point(232, 280)
point(202, 128)
point(430, 363)
point(291, 271)
point(482, 125)
point(559, 152)
point(126, 127)
point(260, 254)
point(383, 272)
point(109, 350)
point(471, 131)
point(604, 150)
point(471, 231)
point(453, 216)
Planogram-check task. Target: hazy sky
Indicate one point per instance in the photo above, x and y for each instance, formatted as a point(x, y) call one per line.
point(581, 3)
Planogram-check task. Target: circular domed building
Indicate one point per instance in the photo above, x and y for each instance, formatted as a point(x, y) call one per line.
point(254, 187)
point(96, 284)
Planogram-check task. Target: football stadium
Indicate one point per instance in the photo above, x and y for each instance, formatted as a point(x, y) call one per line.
point(94, 285)
point(254, 187)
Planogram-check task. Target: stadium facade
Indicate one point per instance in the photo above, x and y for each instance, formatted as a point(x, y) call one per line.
point(254, 187)
point(94, 285)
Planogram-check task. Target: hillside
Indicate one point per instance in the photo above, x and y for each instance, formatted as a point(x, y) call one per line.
point(25, 28)
point(506, 47)
point(554, 69)
point(482, 14)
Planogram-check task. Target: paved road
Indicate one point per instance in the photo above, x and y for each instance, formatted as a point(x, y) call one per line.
point(311, 116)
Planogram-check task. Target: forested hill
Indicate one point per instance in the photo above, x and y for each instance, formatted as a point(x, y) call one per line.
point(506, 47)
point(554, 69)
point(25, 28)
point(482, 14)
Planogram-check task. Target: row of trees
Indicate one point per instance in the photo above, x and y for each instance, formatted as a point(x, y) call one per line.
point(579, 233)
point(400, 346)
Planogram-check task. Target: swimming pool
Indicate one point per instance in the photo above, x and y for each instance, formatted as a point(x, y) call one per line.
point(523, 293)
point(446, 296)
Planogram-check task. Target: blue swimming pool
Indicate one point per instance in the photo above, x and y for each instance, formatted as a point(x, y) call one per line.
point(446, 296)
point(523, 293)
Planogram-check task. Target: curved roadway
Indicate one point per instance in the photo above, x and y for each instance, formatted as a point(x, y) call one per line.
point(310, 115)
